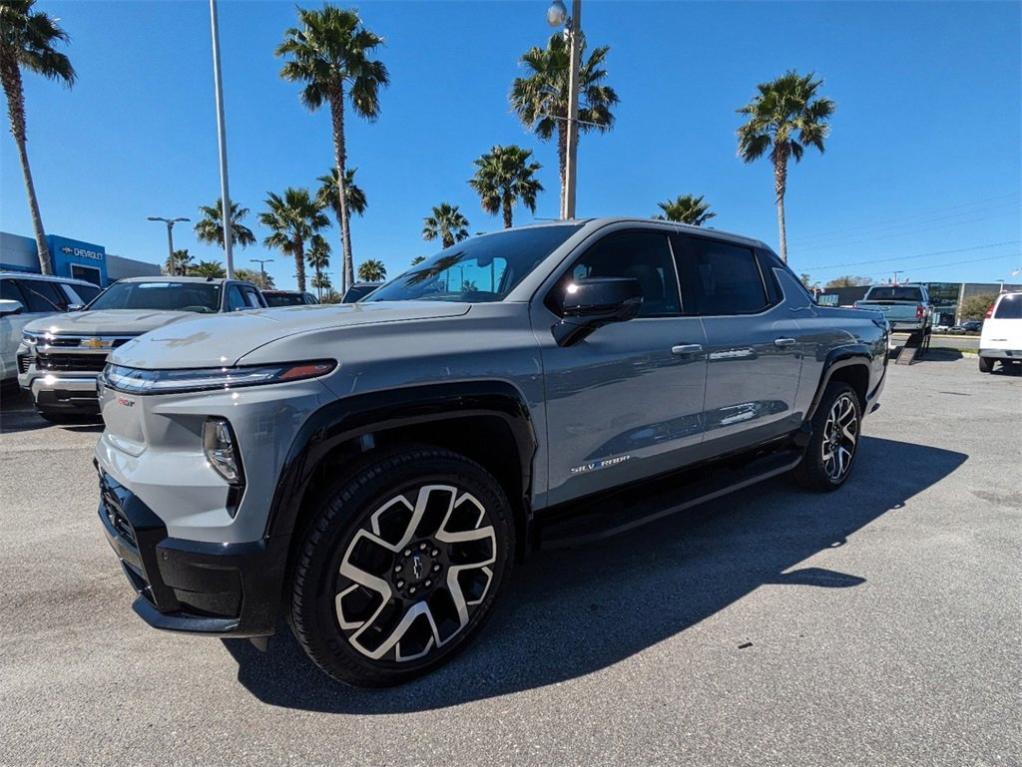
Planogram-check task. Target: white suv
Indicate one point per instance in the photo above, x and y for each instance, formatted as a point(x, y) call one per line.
point(25, 297)
point(1001, 338)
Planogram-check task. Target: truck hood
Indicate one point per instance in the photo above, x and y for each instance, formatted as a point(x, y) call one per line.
point(107, 322)
point(223, 339)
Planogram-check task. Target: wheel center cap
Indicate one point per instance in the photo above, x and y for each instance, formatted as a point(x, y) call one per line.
point(417, 568)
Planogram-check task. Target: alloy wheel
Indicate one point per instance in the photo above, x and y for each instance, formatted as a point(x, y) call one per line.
point(415, 573)
point(840, 437)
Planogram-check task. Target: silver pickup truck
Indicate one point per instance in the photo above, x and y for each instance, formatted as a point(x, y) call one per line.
point(907, 307)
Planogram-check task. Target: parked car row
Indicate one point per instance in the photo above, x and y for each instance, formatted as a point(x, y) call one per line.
point(56, 332)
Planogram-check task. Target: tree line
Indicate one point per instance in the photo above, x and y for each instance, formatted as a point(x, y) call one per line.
point(331, 55)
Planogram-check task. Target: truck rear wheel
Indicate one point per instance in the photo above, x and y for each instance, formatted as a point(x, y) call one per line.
point(401, 566)
point(986, 365)
point(831, 451)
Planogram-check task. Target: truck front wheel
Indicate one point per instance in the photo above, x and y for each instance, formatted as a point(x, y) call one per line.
point(401, 566)
point(986, 365)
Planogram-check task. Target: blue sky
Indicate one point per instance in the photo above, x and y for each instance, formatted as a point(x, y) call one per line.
point(922, 171)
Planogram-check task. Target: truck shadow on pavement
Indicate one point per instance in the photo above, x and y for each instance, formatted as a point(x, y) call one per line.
point(569, 613)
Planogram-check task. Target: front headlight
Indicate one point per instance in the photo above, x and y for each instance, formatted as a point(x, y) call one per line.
point(29, 338)
point(221, 450)
point(135, 381)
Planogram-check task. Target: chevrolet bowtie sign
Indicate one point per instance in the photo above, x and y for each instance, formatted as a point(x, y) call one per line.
point(96, 343)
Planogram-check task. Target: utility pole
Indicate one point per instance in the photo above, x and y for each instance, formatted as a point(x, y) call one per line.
point(221, 130)
point(262, 268)
point(170, 238)
point(557, 16)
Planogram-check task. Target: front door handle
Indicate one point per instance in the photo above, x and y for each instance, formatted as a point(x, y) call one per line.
point(686, 349)
point(784, 342)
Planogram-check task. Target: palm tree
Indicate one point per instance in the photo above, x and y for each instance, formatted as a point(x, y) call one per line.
point(207, 269)
point(179, 263)
point(783, 108)
point(319, 259)
point(210, 227)
point(541, 99)
point(418, 260)
point(372, 270)
point(328, 195)
point(255, 277)
point(26, 42)
point(447, 223)
point(321, 282)
point(330, 53)
point(505, 176)
point(686, 209)
point(293, 219)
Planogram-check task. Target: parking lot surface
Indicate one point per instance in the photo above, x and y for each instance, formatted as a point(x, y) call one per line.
point(879, 625)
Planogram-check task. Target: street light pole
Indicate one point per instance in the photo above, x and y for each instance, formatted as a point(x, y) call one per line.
point(170, 238)
point(221, 129)
point(262, 268)
point(557, 15)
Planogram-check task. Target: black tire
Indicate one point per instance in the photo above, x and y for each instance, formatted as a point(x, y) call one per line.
point(341, 542)
point(816, 471)
point(986, 365)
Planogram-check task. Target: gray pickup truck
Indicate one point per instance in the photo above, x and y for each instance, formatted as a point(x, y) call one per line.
point(60, 355)
point(373, 470)
point(906, 307)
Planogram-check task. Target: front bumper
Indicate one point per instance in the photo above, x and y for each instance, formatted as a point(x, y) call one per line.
point(57, 391)
point(218, 589)
point(1001, 354)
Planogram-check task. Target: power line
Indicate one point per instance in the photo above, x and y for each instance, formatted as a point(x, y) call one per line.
point(916, 255)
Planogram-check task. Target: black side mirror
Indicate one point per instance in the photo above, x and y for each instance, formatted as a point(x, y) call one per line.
point(588, 304)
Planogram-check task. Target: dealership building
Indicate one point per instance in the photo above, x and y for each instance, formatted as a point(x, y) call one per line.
point(946, 297)
point(70, 258)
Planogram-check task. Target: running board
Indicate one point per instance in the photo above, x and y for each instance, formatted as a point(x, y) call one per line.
point(626, 509)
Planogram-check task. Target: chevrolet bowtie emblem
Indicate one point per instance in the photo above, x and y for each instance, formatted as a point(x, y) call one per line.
point(94, 343)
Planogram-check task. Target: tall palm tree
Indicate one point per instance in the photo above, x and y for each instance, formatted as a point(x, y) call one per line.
point(447, 222)
point(321, 282)
point(329, 195)
point(179, 262)
point(293, 219)
point(331, 53)
point(541, 98)
point(505, 176)
point(319, 259)
point(210, 228)
point(686, 209)
point(785, 117)
point(26, 42)
point(372, 270)
point(207, 269)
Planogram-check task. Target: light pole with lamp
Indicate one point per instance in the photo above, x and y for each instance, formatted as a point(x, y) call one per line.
point(262, 268)
point(557, 16)
point(170, 238)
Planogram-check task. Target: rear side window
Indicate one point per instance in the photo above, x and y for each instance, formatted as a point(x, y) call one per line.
point(720, 278)
point(252, 297)
point(9, 291)
point(643, 255)
point(44, 296)
point(235, 301)
point(1010, 308)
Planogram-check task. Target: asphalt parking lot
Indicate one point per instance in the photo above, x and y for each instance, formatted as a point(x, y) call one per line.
point(881, 625)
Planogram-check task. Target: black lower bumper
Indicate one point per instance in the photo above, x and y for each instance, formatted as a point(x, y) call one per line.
point(230, 589)
point(67, 401)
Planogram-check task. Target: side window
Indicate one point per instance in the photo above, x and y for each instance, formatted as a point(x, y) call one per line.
point(643, 255)
point(252, 297)
point(85, 292)
point(10, 291)
point(235, 301)
point(720, 278)
point(43, 296)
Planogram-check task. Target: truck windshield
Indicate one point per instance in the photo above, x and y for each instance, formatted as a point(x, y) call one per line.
point(477, 270)
point(895, 294)
point(202, 297)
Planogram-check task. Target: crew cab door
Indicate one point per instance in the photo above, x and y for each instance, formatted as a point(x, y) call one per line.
point(754, 346)
point(624, 401)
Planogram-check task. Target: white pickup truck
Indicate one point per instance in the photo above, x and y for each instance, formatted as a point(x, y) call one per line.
point(907, 307)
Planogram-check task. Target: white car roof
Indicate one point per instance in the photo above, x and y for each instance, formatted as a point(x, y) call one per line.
point(46, 278)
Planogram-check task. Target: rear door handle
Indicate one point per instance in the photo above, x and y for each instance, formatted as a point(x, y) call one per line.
point(784, 342)
point(686, 349)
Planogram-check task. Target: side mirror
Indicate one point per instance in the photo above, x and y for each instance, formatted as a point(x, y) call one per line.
point(588, 304)
point(9, 306)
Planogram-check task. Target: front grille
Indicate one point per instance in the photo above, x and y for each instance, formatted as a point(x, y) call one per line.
point(79, 363)
point(114, 512)
point(76, 341)
point(25, 362)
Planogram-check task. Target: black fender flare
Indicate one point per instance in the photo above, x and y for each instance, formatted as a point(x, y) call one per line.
point(841, 357)
point(353, 417)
